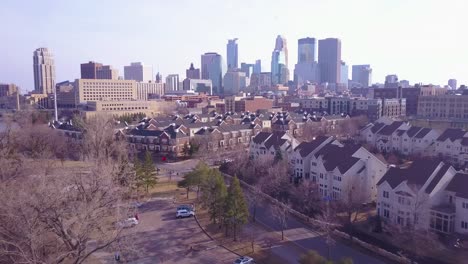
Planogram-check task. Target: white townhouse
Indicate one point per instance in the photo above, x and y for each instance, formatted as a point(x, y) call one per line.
point(452, 145)
point(428, 195)
point(266, 145)
point(347, 171)
point(418, 140)
point(300, 158)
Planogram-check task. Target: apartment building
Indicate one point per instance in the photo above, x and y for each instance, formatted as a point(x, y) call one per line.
point(301, 157)
point(266, 145)
point(149, 90)
point(427, 195)
point(443, 106)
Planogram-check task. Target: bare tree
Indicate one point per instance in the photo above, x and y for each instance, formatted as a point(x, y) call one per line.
point(281, 214)
point(327, 222)
point(305, 198)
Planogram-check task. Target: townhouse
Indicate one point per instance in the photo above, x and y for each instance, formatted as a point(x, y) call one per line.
point(346, 171)
point(267, 145)
point(427, 195)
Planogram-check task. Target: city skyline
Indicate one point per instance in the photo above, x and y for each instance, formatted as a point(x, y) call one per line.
point(432, 55)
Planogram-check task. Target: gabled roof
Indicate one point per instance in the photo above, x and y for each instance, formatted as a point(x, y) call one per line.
point(400, 132)
point(340, 157)
point(261, 137)
point(145, 133)
point(388, 130)
point(459, 185)
point(412, 131)
point(437, 178)
point(418, 173)
point(376, 127)
point(276, 140)
point(305, 148)
point(423, 132)
point(452, 134)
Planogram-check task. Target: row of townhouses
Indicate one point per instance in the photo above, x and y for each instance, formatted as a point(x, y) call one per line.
point(426, 195)
point(338, 169)
point(387, 135)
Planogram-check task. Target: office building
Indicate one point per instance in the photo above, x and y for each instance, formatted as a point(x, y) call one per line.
point(443, 106)
point(234, 82)
point(198, 85)
point(89, 70)
point(232, 54)
point(344, 74)
point(212, 69)
point(8, 89)
point(257, 67)
point(306, 50)
point(44, 71)
point(192, 73)
point(452, 83)
point(404, 84)
point(279, 62)
point(391, 81)
point(247, 68)
point(105, 90)
point(264, 80)
point(172, 83)
point(149, 90)
point(329, 60)
point(67, 96)
point(362, 75)
point(106, 72)
point(139, 72)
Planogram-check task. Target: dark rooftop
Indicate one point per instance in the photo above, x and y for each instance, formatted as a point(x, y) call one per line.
point(452, 134)
point(413, 131)
point(305, 148)
point(459, 185)
point(388, 130)
point(423, 132)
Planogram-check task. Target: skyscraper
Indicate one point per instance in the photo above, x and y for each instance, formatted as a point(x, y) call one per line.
point(279, 62)
point(452, 83)
point(247, 68)
point(89, 70)
point(172, 83)
point(44, 71)
point(212, 68)
point(232, 54)
point(107, 72)
point(234, 81)
point(306, 68)
point(362, 74)
point(139, 72)
point(257, 67)
point(344, 74)
point(391, 81)
point(306, 50)
point(329, 60)
point(192, 73)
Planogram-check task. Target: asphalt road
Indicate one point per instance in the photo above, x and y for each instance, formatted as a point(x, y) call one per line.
point(161, 238)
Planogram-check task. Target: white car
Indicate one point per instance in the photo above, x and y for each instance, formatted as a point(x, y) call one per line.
point(244, 260)
point(184, 213)
point(130, 222)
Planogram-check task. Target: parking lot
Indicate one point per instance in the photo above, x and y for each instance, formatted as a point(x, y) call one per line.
point(161, 238)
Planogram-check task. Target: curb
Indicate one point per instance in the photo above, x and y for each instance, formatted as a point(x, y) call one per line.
point(206, 233)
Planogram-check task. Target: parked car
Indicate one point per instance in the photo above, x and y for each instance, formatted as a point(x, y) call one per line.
point(186, 207)
point(244, 260)
point(129, 222)
point(184, 213)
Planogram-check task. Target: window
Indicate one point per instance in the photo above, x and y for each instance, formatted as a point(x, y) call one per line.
point(386, 194)
point(465, 205)
point(386, 213)
point(314, 164)
point(464, 225)
point(321, 175)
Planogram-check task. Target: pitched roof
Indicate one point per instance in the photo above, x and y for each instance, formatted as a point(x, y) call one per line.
point(388, 130)
point(305, 148)
point(261, 137)
point(452, 134)
point(376, 127)
point(459, 185)
point(418, 173)
point(412, 131)
point(276, 140)
point(400, 132)
point(423, 132)
point(340, 157)
point(437, 178)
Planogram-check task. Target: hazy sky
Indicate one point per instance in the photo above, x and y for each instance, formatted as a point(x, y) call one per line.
point(419, 40)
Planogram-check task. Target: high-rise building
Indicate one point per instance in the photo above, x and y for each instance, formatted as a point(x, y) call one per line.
point(247, 68)
point(105, 90)
point(192, 73)
point(452, 83)
point(198, 85)
point(232, 54)
point(158, 78)
point(172, 83)
point(362, 75)
point(212, 68)
point(279, 62)
point(149, 90)
point(306, 50)
point(344, 74)
point(139, 72)
point(404, 84)
point(107, 72)
point(306, 69)
point(8, 89)
point(44, 71)
point(257, 67)
point(264, 80)
point(329, 60)
point(234, 82)
point(89, 70)
point(391, 81)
